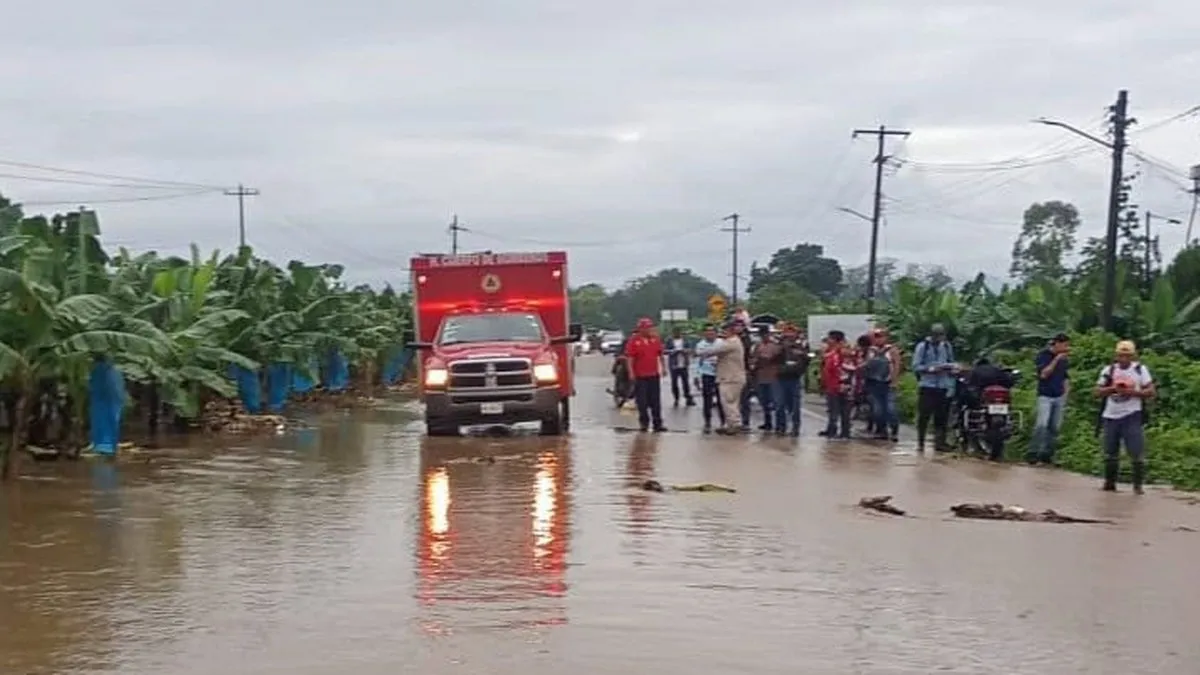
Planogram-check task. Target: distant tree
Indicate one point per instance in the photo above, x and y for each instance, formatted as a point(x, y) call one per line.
point(589, 306)
point(667, 289)
point(854, 280)
point(806, 266)
point(1047, 237)
point(785, 300)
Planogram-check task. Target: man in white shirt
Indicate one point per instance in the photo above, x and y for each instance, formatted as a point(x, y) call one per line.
point(1124, 386)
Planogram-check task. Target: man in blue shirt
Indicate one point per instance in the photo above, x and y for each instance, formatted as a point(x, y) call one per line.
point(706, 367)
point(933, 363)
point(1052, 367)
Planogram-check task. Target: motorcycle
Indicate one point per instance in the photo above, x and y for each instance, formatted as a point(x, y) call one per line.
point(985, 420)
point(622, 385)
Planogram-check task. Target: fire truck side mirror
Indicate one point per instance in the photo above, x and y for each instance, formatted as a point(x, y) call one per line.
point(574, 334)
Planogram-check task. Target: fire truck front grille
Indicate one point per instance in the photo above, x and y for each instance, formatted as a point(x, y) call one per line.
point(491, 374)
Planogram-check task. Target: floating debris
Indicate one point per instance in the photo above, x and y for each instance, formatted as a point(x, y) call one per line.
point(1183, 528)
point(482, 459)
point(229, 417)
point(1002, 512)
point(882, 504)
point(655, 486)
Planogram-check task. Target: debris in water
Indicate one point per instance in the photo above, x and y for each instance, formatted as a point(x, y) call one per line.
point(655, 486)
point(1184, 528)
point(881, 504)
point(1002, 512)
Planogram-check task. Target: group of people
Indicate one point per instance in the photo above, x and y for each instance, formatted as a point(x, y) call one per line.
point(731, 370)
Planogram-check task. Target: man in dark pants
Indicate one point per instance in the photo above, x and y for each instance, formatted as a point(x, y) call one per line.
point(679, 358)
point(646, 363)
point(933, 363)
point(837, 380)
point(1124, 387)
point(706, 367)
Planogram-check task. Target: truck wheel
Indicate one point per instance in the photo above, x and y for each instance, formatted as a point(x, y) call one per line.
point(564, 413)
point(553, 425)
point(434, 428)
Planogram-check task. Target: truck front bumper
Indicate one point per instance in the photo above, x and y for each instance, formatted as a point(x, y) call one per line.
point(480, 407)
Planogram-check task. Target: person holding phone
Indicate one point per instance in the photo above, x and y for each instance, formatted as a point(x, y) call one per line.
point(933, 363)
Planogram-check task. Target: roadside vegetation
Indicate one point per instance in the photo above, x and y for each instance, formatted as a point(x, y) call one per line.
point(183, 332)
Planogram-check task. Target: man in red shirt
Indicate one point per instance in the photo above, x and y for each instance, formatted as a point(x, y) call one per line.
point(837, 382)
point(647, 363)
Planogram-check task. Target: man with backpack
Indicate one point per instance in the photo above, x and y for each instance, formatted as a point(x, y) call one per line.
point(1123, 387)
point(880, 372)
point(933, 363)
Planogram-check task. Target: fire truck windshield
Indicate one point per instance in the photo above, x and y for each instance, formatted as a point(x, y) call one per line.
point(500, 327)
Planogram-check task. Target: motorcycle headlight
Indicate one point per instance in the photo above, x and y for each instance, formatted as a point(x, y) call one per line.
point(436, 377)
point(545, 373)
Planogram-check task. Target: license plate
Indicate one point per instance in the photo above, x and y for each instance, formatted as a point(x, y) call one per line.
point(997, 408)
point(491, 408)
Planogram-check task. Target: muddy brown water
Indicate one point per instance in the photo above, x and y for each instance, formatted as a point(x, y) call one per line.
point(360, 546)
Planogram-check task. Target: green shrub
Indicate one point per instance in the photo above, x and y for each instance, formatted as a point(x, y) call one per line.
point(1173, 435)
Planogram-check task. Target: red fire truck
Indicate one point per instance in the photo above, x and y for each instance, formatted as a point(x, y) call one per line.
point(494, 336)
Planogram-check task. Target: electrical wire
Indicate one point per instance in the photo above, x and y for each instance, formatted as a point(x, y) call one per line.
point(1190, 112)
point(116, 200)
point(140, 182)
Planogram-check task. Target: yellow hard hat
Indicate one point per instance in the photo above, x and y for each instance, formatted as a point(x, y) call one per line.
point(1126, 347)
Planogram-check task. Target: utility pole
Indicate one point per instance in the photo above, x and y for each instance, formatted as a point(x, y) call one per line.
point(1195, 192)
point(733, 298)
point(1153, 241)
point(241, 193)
point(454, 229)
point(1120, 123)
point(881, 135)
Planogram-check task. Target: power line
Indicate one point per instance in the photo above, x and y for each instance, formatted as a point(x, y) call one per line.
point(1194, 110)
point(881, 134)
point(241, 193)
point(118, 200)
point(144, 182)
point(90, 183)
point(735, 218)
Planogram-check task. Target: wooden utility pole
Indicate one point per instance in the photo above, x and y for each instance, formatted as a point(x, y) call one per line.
point(1119, 117)
point(454, 229)
point(881, 135)
point(241, 193)
point(734, 218)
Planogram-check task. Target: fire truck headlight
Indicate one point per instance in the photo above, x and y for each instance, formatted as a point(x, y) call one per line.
point(436, 377)
point(545, 373)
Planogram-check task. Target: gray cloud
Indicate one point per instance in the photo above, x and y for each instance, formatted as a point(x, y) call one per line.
point(366, 123)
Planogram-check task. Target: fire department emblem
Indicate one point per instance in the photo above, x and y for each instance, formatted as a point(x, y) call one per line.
point(490, 375)
point(490, 283)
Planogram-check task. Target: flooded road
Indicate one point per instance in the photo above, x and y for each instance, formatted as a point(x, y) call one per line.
point(363, 547)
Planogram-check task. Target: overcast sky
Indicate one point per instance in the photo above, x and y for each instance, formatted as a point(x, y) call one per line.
point(622, 131)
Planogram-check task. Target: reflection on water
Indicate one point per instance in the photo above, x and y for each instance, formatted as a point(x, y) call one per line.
point(493, 534)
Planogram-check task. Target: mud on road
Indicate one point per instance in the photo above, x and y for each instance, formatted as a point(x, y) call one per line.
point(361, 546)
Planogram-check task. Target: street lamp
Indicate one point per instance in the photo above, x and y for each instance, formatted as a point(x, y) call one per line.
point(856, 214)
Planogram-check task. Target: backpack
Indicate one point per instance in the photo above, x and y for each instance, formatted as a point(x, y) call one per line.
point(1108, 380)
point(878, 367)
point(925, 345)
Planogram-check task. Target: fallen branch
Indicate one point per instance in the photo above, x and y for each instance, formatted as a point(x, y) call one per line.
point(881, 504)
point(1002, 512)
point(655, 486)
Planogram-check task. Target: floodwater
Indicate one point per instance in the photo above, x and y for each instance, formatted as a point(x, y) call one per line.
point(362, 547)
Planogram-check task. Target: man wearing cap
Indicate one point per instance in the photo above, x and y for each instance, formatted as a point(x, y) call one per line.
point(730, 373)
point(647, 363)
point(1051, 365)
point(1124, 386)
point(933, 363)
